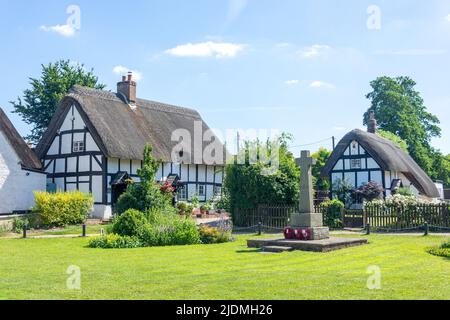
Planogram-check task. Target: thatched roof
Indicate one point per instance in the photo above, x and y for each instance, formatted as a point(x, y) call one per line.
point(28, 158)
point(123, 132)
point(388, 155)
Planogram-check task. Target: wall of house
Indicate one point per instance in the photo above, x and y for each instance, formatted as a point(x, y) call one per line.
point(201, 179)
point(357, 167)
point(90, 171)
point(16, 185)
point(71, 169)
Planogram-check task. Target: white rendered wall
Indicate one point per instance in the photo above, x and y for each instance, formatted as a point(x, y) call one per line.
point(16, 185)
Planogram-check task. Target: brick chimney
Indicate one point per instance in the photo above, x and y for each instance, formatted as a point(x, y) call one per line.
point(127, 87)
point(372, 125)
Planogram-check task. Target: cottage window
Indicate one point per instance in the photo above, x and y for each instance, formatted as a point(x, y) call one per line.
point(355, 164)
point(78, 146)
point(182, 194)
point(201, 190)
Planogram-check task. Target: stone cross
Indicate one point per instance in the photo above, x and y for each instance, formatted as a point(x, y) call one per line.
point(306, 185)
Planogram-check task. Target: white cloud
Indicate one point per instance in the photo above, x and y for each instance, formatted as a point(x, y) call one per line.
point(121, 70)
point(447, 18)
point(339, 128)
point(314, 51)
point(320, 84)
point(206, 49)
point(65, 30)
point(291, 82)
point(412, 52)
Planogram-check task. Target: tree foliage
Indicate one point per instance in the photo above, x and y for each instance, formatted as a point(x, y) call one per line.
point(321, 157)
point(247, 185)
point(394, 138)
point(40, 102)
point(400, 109)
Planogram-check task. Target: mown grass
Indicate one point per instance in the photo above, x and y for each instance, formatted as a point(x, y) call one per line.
point(36, 269)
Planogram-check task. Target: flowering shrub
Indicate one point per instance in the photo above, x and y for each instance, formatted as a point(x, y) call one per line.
point(397, 201)
point(210, 235)
point(167, 188)
point(370, 191)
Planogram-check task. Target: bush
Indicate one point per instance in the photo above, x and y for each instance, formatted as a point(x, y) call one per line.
point(442, 251)
point(19, 224)
point(331, 211)
point(114, 241)
point(206, 207)
point(185, 208)
point(130, 223)
point(210, 235)
point(148, 193)
point(174, 231)
point(404, 191)
point(62, 208)
point(370, 191)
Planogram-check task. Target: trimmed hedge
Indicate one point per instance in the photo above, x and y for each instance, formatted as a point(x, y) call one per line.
point(62, 208)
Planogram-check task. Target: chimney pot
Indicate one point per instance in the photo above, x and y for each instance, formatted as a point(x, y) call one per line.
point(372, 125)
point(127, 87)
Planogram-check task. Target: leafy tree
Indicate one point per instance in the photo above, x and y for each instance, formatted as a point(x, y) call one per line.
point(321, 157)
point(400, 109)
point(41, 101)
point(394, 138)
point(248, 184)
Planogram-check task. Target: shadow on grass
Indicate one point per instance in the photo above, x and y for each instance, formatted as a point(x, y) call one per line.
point(256, 250)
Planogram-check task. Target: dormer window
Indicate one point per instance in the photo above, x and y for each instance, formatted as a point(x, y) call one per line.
point(78, 146)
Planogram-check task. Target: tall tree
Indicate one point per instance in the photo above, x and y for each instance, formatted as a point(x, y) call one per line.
point(400, 109)
point(39, 103)
point(321, 157)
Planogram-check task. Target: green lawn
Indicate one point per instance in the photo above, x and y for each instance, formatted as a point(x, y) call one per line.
point(69, 230)
point(36, 269)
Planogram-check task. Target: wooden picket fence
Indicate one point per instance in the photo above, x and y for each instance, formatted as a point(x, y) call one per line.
point(400, 218)
point(271, 216)
point(379, 217)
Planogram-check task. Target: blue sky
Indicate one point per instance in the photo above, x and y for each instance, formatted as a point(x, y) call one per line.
point(298, 66)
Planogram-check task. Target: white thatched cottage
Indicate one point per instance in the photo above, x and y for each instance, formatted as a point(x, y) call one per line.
point(96, 139)
point(362, 156)
point(20, 170)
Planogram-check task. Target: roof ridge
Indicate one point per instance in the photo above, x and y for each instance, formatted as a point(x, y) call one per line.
point(79, 90)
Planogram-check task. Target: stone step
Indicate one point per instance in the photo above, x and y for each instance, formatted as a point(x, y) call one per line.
point(276, 249)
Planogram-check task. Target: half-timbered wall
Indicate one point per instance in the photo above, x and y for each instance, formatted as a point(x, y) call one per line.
point(357, 167)
point(74, 161)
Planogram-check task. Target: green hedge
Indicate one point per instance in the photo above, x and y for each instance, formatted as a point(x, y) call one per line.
point(331, 211)
point(62, 208)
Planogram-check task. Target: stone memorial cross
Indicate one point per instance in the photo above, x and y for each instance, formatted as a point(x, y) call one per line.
point(306, 185)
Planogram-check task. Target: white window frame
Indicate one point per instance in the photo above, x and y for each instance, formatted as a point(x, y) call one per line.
point(183, 194)
point(201, 187)
point(78, 146)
